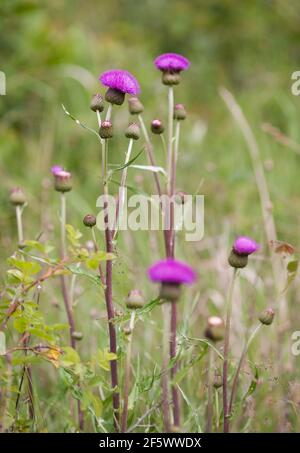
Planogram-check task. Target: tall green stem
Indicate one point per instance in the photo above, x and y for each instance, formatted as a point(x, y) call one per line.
point(127, 373)
point(19, 223)
point(226, 412)
point(65, 290)
point(209, 411)
point(239, 367)
point(166, 307)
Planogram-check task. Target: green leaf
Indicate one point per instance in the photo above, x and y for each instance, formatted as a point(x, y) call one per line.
point(104, 359)
point(73, 235)
point(292, 269)
point(79, 123)
point(70, 357)
point(20, 324)
point(93, 261)
point(78, 271)
point(128, 163)
point(253, 384)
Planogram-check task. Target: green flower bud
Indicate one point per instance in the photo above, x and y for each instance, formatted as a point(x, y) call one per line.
point(134, 299)
point(170, 292)
point(114, 96)
point(17, 197)
point(77, 336)
point(89, 220)
point(62, 181)
point(133, 131)
point(106, 130)
point(267, 316)
point(218, 381)
point(97, 103)
point(171, 78)
point(135, 106)
point(179, 112)
point(157, 127)
point(237, 261)
point(215, 328)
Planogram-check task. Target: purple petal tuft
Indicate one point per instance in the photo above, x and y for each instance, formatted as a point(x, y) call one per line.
point(118, 79)
point(171, 62)
point(56, 169)
point(244, 245)
point(171, 271)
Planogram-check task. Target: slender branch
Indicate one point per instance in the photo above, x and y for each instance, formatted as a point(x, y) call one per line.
point(226, 413)
point(108, 296)
point(66, 295)
point(19, 224)
point(239, 367)
point(166, 307)
point(209, 410)
point(127, 373)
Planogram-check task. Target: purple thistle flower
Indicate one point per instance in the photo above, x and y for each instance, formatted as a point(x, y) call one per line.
point(171, 62)
point(56, 169)
point(171, 271)
point(245, 246)
point(120, 80)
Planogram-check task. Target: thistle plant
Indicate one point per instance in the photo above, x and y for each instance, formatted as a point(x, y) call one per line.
point(171, 274)
point(238, 259)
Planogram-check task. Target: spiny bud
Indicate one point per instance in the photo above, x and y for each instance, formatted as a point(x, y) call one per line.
point(77, 336)
point(218, 381)
point(106, 130)
point(157, 127)
point(133, 131)
point(237, 261)
point(215, 328)
point(127, 330)
point(114, 96)
point(267, 316)
point(97, 103)
point(171, 78)
point(135, 106)
point(89, 220)
point(17, 197)
point(62, 181)
point(135, 299)
point(170, 292)
point(179, 112)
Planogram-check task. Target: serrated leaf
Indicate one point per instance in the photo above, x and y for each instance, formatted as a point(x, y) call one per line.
point(70, 357)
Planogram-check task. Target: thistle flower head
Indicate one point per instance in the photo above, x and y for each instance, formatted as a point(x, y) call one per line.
point(17, 197)
point(245, 246)
point(118, 79)
point(215, 328)
point(171, 271)
point(157, 127)
point(171, 62)
point(62, 179)
point(56, 169)
point(267, 316)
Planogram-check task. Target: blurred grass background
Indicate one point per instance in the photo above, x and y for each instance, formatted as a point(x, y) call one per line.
point(53, 52)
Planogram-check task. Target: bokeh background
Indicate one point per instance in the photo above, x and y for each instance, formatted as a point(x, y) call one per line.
point(53, 52)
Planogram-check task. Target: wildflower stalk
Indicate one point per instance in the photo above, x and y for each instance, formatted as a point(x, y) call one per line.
point(26, 337)
point(19, 210)
point(108, 284)
point(166, 307)
point(209, 409)
point(171, 245)
point(226, 413)
point(127, 373)
point(239, 367)
point(120, 203)
point(65, 291)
